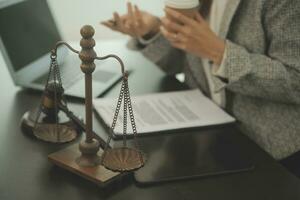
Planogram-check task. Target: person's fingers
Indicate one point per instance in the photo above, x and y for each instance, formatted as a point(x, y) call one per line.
point(170, 25)
point(127, 25)
point(175, 39)
point(171, 36)
point(118, 21)
point(130, 13)
point(112, 21)
point(180, 17)
point(199, 18)
point(177, 28)
point(179, 45)
point(132, 21)
point(138, 16)
point(109, 24)
point(168, 35)
point(182, 38)
point(124, 19)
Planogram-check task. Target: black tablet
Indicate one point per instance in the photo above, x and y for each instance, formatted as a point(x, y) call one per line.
point(184, 155)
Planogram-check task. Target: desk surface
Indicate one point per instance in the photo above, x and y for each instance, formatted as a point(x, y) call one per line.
point(25, 172)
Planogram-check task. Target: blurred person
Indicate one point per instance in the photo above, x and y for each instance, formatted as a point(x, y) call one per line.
point(244, 55)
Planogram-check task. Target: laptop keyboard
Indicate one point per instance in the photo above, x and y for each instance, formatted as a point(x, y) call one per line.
point(69, 76)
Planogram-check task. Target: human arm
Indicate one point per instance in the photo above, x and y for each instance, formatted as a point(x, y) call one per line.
point(143, 27)
point(274, 75)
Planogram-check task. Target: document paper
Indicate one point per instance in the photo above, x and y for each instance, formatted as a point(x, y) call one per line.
point(165, 111)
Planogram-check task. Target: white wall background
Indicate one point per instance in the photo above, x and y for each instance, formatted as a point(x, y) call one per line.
point(71, 15)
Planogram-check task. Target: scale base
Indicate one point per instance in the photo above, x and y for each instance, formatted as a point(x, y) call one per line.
point(66, 159)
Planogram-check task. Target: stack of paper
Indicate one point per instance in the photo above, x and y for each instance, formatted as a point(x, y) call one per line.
point(165, 111)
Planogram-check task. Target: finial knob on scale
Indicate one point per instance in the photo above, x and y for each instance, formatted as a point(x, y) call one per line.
point(87, 31)
point(87, 54)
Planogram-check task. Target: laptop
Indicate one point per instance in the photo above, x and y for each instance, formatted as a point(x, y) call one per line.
point(27, 35)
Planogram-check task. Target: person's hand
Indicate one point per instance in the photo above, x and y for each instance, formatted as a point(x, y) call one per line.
point(193, 36)
point(135, 23)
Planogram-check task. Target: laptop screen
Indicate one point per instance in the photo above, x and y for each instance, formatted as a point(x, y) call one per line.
point(28, 31)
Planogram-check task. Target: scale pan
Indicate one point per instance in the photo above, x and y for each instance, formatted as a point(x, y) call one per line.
point(59, 133)
point(123, 159)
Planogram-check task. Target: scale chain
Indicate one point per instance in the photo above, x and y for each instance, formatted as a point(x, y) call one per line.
point(125, 115)
point(114, 119)
point(118, 107)
point(55, 74)
point(133, 124)
point(53, 59)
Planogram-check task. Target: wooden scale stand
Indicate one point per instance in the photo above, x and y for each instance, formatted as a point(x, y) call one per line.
point(100, 165)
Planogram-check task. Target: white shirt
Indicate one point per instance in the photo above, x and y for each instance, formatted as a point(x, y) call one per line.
point(215, 19)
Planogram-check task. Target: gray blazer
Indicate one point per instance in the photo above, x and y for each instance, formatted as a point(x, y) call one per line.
point(262, 66)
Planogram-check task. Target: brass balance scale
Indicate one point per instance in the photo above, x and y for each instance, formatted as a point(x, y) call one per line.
point(54, 122)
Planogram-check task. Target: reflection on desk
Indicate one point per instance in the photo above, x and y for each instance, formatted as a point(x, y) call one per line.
point(25, 172)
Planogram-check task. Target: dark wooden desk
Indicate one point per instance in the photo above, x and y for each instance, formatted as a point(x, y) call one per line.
point(25, 172)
